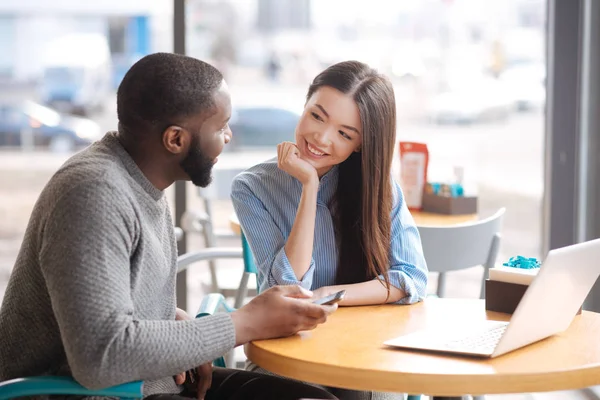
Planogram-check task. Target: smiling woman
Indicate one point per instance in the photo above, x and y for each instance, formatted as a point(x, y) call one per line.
point(329, 200)
point(327, 138)
point(326, 213)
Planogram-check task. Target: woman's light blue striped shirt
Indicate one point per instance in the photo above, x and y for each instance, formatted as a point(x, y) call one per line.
point(266, 199)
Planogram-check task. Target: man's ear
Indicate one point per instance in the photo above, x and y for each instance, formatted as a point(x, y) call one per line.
point(176, 139)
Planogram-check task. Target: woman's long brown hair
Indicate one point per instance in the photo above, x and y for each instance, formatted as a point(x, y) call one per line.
point(363, 202)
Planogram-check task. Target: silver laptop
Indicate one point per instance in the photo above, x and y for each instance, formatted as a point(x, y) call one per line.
point(547, 307)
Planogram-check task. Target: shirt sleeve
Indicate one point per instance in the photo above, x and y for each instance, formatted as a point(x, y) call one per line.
point(85, 252)
point(265, 239)
point(408, 269)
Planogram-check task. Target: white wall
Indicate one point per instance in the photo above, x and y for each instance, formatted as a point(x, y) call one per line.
point(102, 7)
point(32, 34)
point(28, 25)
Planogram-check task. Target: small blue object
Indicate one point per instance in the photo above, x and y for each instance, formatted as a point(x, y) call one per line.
point(435, 188)
point(522, 262)
point(447, 190)
point(456, 190)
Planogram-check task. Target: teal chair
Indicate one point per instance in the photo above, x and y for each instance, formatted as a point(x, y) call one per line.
point(249, 269)
point(54, 385)
point(242, 291)
point(211, 304)
point(59, 385)
point(212, 253)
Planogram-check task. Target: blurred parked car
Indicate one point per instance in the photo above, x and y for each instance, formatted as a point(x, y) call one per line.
point(44, 127)
point(473, 99)
point(261, 127)
point(526, 83)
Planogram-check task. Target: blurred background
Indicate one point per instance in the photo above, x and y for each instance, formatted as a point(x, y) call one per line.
point(469, 78)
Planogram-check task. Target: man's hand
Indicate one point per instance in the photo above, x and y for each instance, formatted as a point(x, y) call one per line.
point(288, 160)
point(203, 375)
point(181, 315)
point(278, 312)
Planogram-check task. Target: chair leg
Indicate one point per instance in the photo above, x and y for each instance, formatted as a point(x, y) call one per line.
point(486, 274)
point(197, 221)
point(491, 261)
point(209, 241)
point(441, 286)
point(242, 291)
point(214, 283)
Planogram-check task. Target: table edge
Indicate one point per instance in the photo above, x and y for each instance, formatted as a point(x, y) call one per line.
point(430, 384)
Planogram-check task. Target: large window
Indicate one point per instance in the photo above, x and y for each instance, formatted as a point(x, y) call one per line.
point(469, 78)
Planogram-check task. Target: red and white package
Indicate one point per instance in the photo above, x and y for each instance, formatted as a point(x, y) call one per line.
point(414, 159)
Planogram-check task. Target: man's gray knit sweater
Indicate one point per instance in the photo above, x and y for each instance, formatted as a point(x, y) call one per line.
point(92, 293)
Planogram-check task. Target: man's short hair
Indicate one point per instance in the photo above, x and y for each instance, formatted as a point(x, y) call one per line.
point(162, 89)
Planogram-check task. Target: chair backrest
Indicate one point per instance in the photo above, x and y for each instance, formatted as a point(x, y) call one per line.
point(450, 248)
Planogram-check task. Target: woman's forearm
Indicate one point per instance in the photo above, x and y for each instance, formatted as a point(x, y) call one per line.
point(368, 293)
point(299, 246)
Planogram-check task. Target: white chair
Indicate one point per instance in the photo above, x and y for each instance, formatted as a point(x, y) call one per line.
point(455, 247)
point(201, 221)
point(195, 221)
point(209, 254)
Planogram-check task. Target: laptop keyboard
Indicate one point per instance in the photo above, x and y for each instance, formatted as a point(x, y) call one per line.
point(485, 341)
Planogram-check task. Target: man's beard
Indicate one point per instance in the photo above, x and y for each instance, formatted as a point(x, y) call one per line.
point(197, 166)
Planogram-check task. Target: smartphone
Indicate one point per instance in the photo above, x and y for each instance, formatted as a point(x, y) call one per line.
point(331, 299)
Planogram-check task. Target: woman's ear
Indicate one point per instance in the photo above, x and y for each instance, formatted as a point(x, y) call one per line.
point(358, 149)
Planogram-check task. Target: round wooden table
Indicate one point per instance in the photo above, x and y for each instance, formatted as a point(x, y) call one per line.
point(347, 351)
point(421, 219)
